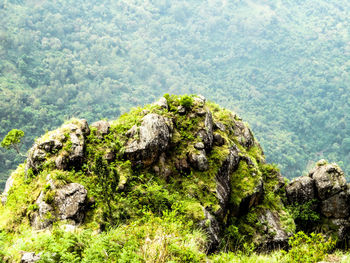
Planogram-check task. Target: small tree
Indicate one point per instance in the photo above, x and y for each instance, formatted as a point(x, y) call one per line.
point(13, 140)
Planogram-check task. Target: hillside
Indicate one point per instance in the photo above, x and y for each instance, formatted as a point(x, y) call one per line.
point(284, 64)
point(177, 179)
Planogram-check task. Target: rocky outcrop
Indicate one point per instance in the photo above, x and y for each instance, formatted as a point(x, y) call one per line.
point(199, 160)
point(30, 257)
point(63, 147)
point(149, 140)
point(277, 237)
point(102, 128)
point(66, 203)
point(326, 186)
point(206, 134)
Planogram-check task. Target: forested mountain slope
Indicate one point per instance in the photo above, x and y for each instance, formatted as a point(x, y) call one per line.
point(284, 64)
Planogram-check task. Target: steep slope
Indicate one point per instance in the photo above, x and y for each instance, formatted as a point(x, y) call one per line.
point(183, 168)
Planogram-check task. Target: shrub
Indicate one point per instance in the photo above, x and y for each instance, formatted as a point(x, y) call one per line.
point(307, 248)
point(186, 101)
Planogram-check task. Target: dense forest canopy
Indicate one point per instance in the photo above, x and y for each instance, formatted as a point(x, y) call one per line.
point(284, 63)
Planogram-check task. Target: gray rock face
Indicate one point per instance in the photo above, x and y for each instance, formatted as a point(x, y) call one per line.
point(206, 134)
point(30, 257)
point(69, 203)
point(244, 134)
point(200, 100)
point(252, 199)
point(153, 138)
point(199, 161)
point(278, 237)
point(300, 190)
point(102, 128)
point(162, 102)
point(325, 184)
point(223, 185)
point(49, 146)
point(329, 180)
point(336, 206)
point(8, 186)
point(212, 227)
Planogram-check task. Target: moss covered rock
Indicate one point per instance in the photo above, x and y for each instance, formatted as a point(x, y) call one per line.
point(180, 154)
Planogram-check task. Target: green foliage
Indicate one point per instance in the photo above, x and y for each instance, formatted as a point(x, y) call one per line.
point(305, 215)
point(307, 248)
point(186, 101)
point(13, 140)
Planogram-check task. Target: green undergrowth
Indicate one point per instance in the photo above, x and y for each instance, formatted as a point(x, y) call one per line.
point(147, 214)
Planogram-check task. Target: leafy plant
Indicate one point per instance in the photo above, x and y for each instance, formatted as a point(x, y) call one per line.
point(307, 248)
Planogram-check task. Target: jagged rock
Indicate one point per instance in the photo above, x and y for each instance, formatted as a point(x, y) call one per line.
point(329, 180)
point(162, 102)
point(199, 160)
point(244, 134)
point(200, 100)
point(102, 128)
point(300, 190)
point(206, 134)
point(223, 185)
point(212, 227)
point(220, 126)
point(277, 236)
point(218, 140)
point(8, 185)
point(336, 206)
point(30, 257)
point(181, 110)
point(69, 203)
point(201, 112)
point(153, 139)
point(199, 146)
point(73, 134)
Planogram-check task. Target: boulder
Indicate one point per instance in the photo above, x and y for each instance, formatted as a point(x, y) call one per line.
point(69, 203)
point(218, 139)
point(65, 145)
point(152, 139)
point(102, 128)
point(336, 206)
point(277, 237)
point(300, 190)
point(199, 100)
point(329, 180)
point(30, 257)
point(162, 103)
point(199, 160)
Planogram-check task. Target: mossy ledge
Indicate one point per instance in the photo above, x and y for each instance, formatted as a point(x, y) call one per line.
point(182, 173)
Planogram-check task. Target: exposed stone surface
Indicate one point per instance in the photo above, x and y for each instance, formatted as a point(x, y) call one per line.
point(206, 134)
point(200, 100)
point(199, 160)
point(326, 185)
point(213, 229)
point(153, 138)
point(69, 203)
point(162, 102)
point(223, 185)
point(301, 190)
point(102, 128)
point(8, 185)
point(181, 110)
point(30, 257)
point(218, 140)
point(329, 180)
point(199, 146)
point(252, 199)
point(244, 134)
point(278, 237)
point(72, 135)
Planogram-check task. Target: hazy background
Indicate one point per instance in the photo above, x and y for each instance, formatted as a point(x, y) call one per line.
point(282, 65)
